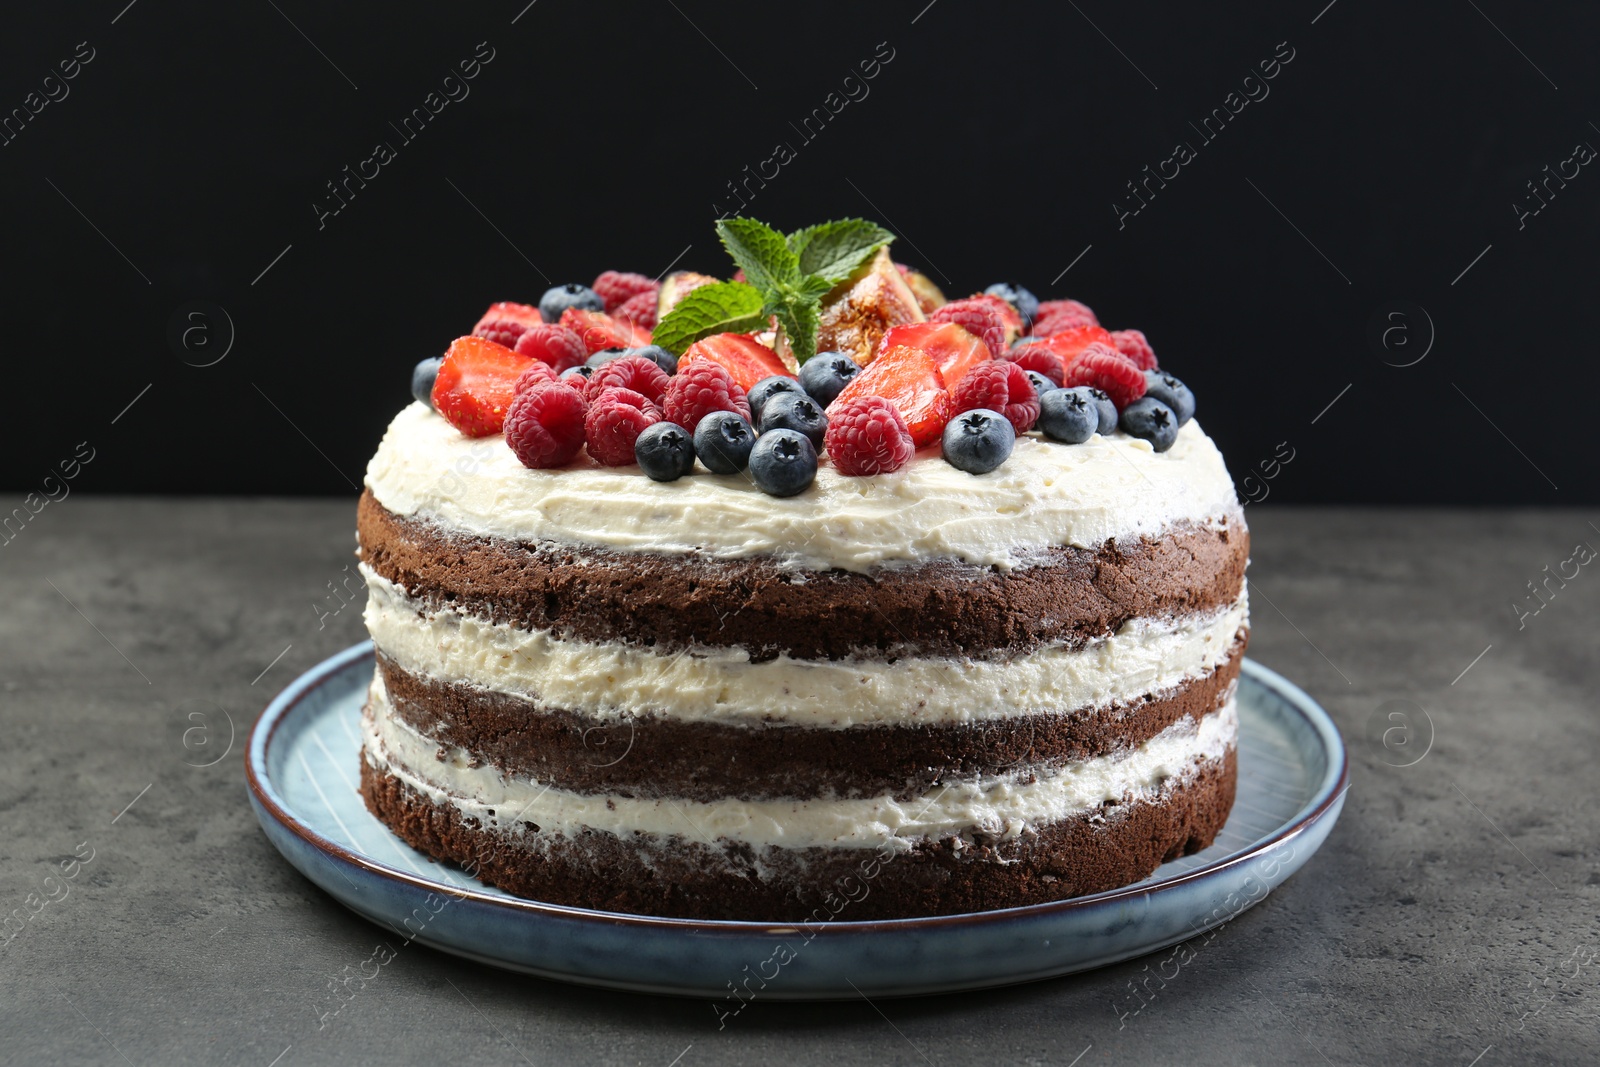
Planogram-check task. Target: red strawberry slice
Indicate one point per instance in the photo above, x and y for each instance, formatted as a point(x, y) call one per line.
point(908, 377)
point(745, 360)
point(503, 323)
point(600, 331)
point(476, 384)
point(954, 348)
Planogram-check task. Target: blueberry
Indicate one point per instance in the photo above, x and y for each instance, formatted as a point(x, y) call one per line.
point(1069, 415)
point(665, 451)
point(978, 441)
point(604, 356)
point(1041, 384)
point(576, 375)
point(826, 374)
point(1152, 420)
point(783, 462)
point(1026, 303)
point(795, 411)
point(561, 297)
point(723, 441)
point(765, 390)
point(1108, 410)
point(1171, 392)
point(657, 355)
point(422, 378)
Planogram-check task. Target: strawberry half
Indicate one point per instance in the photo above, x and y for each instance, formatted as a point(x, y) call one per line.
point(504, 322)
point(746, 361)
point(600, 331)
point(908, 377)
point(476, 384)
point(955, 349)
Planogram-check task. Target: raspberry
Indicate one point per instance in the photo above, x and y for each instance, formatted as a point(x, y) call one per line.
point(1002, 387)
point(1008, 313)
point(637, 373)
point(1132, 344)
point(556, 345)
point(1037, 357)
point(1106, 368)
point(616, 419)
point(545, 425)
point(505, 322)
point(979, 317)
point(617, 287)
point(1057, 315)
point(868, 435)
point(532, 375)
point(639, 309)
point(698, 389)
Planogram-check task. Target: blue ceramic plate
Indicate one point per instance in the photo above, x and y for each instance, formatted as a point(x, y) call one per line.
point(302, 769)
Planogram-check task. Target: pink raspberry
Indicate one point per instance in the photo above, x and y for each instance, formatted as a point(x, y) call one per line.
point(544, 425)
point(868, 435)
point(1107, 369)
point(556, 345)
point(505, 322)
point(628, 372)
point(639, 310)
point(532, 375)
point(616, 419)
point(1036, 357)
point(1057, 315)
point(698, 389)
point(1132, 344)
point(1002, 387)
point(617, 287)
point(979, 317)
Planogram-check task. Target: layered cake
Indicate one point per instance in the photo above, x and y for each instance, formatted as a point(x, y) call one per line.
point(956, 627)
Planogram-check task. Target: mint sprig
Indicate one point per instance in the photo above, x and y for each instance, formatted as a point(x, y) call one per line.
point(786, 277)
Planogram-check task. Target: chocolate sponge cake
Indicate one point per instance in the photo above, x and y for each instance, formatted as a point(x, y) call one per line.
point(920, 691)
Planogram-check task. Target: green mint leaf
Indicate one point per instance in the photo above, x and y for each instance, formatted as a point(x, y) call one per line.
point(761, 252)
point(798, 309)
point(834, 250)
point(726, 307)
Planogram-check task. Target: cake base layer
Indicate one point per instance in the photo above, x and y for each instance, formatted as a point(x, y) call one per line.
point(1115, 845)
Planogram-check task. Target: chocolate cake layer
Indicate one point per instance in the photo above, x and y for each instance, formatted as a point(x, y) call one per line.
point(674, 876)
point(655, 756)
point(940, 608)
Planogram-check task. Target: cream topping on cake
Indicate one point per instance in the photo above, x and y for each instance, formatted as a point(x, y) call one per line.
point(1045, 494)
point(1003, 805)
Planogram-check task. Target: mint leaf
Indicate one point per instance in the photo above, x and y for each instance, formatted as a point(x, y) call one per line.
point(800, 327)
point(726, 307)
point(761, 251)
point(833, 250)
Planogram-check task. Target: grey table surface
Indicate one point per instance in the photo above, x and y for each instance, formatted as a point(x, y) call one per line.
point(1453, 916)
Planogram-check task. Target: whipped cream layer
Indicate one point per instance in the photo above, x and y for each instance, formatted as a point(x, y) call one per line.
point(1044, 495)
point(610, 680)
point(1004, 805)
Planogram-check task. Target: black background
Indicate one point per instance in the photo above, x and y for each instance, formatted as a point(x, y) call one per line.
point(1385, 160)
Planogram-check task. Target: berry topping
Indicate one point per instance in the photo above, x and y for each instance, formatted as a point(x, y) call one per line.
point(534, 373)
point(979, 440)
point(1107, 369)
point(576, 376)
point(664, 451)
point(979, 317)
point(628, 372)
point(1108, 410)
point(639, 310)
point(1034, 355)
point(1057, 315)
point(723, 440)
point(1152, 420)
point(998, 386)
point(1041, 384)
point(1132, 343)
point(867, 435)
point(1008, 314)
point(826, 374)
point(795, 411)
point(659, 356)
point(1070, 415)
point(698, 389)
point(616, 419)
point(1171, 392)
point(767, 389)
point(1026, 303)
point(504, 323)
point(475, 385)
point(545, 425)
point(909, 379)
point(1068, 343)
point(783, 462)
point(555, 302)
point(617, 287)
point(600, 331)
point(422, 378)
point(746, 360)
point(552, 344)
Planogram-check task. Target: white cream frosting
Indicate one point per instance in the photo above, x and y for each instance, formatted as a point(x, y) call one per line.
point(1006, 805)
point(1044, 495)
point(613, 679)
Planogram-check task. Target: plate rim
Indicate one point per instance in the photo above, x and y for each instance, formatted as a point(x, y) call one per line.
point(1330, 791)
